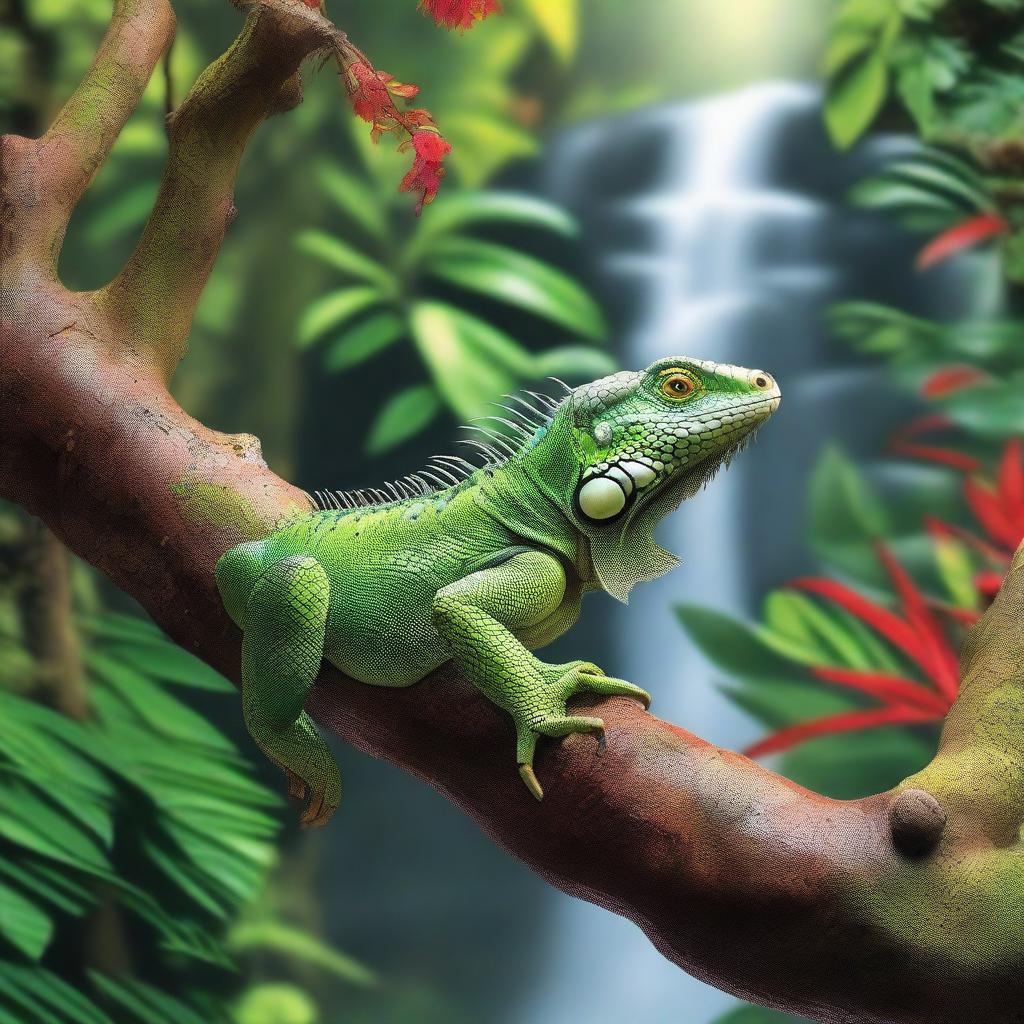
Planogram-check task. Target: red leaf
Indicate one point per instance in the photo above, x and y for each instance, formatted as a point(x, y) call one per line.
point(941, 662)
point(1011, 475)
point(893, 690)
point(961, 236)
point(932, 453)
point(992, 516)
point(847, 721)
point(925, 424)
point(949, 379)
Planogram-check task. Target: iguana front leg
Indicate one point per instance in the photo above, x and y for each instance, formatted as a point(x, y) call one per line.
point(478, 616)
point(282, 647)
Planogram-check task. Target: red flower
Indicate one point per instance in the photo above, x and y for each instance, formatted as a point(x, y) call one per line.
point(461, 14)
point(916, 633)
point(426, 173)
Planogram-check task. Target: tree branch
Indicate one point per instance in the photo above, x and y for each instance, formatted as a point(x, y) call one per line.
point(904, 907)
point(154, 297)
point(68, 156)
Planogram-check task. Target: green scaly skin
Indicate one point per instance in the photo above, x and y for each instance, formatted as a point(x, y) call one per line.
point(486, 570)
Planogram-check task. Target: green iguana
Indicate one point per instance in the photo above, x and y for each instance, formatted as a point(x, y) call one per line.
point(482, 564)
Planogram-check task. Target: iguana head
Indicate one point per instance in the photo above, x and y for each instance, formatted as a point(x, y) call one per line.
point(635, 445)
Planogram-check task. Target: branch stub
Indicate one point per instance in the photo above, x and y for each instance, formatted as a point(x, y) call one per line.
point(917, 821)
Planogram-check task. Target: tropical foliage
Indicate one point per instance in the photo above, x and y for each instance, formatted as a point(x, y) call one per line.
point(413, 282)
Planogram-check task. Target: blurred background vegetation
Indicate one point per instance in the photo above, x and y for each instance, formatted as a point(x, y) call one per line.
point(148, 870)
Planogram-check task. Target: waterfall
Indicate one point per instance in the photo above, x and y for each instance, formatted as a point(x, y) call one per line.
point(718, 229)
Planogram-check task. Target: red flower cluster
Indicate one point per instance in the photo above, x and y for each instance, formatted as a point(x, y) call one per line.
point(917, 634)
point(373, 93)
point(461, 14)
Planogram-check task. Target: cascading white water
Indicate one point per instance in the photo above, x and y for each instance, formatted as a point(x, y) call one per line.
point(732, 253)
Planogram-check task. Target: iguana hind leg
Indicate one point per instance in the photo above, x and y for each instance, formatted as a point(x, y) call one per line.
point(282, 647)
point(479, 616)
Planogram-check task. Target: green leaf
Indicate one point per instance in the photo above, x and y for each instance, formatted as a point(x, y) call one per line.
point(144, 1003)
point(466, 209)
point(47, 997)
point(346, 258)
point(354, 197)
point(471, 362)
point(843, 509)
point(799, 628)
point(733, 646)
point(848, 767)
point(332, 310)
point(297, 945)
point(510, 276)
point(783, 704)
point(402, 416)
point(855, 97)
point(169, 663)
point(956, 570)
point(558, 23)
point(573, 363)
point(55, 887)
point(161, 712)
point(23, 924)
point(363, 341)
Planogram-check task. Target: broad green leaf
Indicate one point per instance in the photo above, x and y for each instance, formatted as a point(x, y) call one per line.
point(169, 663)
point(356, 198)
point(843, 46)
point(798, 627)
point(573, 363)
point(401, 417)
point(733, 646)
point(471, 362)
point(459, 210)
point(855, 97)
point(23, 924)
point(558, 23)
point(297, 945)
point(859, 764)
point(346, 258)
point(956, 570)
point(843, 509)
point(331, 311)
point(483, 141)
point(783, 704)
point(521, 280)
point(363, 341)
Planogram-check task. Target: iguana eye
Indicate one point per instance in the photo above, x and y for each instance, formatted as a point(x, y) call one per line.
point(678, 384)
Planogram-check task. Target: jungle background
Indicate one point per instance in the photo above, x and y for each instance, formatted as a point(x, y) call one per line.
point(830, 191)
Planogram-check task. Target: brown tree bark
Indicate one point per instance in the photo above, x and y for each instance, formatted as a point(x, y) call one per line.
point(904, 906)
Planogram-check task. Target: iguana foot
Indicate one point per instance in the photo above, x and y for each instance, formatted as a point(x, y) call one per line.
point(548, 716)
point(315, 804)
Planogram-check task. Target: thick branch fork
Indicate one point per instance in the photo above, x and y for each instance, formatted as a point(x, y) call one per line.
point(902, 907)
